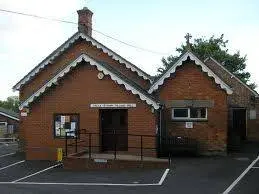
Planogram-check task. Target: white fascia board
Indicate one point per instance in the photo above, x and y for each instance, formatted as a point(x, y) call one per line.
point(198, 62)
point(49, 59)
point(232, 75)
point(45, 62)
point(9, 116)
point(92, 62)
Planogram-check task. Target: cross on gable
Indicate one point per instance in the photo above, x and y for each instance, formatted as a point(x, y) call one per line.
point(188, 36)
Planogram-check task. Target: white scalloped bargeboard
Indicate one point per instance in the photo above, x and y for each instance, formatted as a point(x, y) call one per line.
point(100, 68)
point(61, 50)
point(197, 62)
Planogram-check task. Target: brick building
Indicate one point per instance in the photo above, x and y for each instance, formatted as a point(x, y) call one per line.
point(85, 85)
point(243, 106)
point(9, 122)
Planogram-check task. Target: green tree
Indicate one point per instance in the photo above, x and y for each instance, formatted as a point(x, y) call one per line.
point(11, 103)
point(215, 47)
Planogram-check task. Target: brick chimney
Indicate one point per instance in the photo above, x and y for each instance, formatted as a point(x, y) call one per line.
point(85, 21)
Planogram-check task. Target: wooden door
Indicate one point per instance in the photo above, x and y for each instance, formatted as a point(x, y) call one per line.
point(239, 123)
point(236, 128)
point(114, 129)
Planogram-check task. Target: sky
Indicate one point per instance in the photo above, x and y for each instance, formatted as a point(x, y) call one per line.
point(158, 25)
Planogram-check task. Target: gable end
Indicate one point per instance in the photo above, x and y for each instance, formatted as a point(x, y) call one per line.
point(66, 45)
point(101, 68)
point(198, 62)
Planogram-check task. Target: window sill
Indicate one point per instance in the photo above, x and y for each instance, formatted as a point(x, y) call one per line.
point(190, 120)
point(58, 137)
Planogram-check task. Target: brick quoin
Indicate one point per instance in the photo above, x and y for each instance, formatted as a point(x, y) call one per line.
point(190, 83)
point(74, 94)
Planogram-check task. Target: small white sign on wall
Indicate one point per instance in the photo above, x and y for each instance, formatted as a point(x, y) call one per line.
point(189, 125)
point(24, 114)
point(252, 114)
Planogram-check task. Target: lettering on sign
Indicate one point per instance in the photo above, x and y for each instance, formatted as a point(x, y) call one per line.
point(100, 160)
point(112, 105)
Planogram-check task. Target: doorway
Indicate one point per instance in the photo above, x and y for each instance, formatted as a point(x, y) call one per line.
point(239, 123)
point(237, 128)
point(114, 129)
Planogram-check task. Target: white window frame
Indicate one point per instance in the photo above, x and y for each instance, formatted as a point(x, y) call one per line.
point(180, 118)
point(252, 114)
point(10, 129)
point(188, 118)
point(3, 123)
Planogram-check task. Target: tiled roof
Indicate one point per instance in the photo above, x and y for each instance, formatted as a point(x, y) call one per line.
point(9, 113)
point(231, 74)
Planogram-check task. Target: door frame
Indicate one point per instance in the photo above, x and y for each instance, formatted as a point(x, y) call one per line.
point(233, 141)
point(246, 117)
point(101, 127)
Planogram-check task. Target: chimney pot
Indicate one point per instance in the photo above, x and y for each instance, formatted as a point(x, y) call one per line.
point(85, 21)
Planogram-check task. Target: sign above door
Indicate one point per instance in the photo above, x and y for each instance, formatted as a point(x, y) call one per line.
point(130, 105)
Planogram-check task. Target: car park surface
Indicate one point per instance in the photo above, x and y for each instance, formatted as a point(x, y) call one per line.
point(186, 175)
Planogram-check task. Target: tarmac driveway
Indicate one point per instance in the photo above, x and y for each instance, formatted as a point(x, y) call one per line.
point(187, 175)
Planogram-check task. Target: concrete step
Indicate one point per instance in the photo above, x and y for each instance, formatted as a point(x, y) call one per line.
point(83, 163)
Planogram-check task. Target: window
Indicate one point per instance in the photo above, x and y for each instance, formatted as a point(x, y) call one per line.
point(3, 127)
point(65, 124)
point(10, 129)
point(252, 114)
point(198, 113)
point(180, 113)
point(189, 113)
point(3, 123)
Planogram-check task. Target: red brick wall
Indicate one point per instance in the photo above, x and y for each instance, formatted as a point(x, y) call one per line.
point(241, 97)
point(189, 82)
point(79, 47)
point(74, 94)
